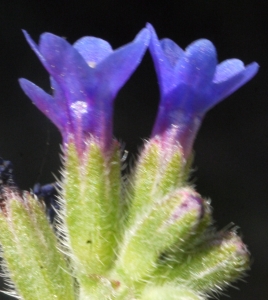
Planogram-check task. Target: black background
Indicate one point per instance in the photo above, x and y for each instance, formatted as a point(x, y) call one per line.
point(232, 145)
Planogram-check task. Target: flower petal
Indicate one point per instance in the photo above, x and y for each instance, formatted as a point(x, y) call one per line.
point(171, 50)
point(67, 67)
point(93, 49)
point(45, 103)
point(116, 69)
point(163, 67)
point(58, 94)
point(34, 47)
point(60, 100)
point(228, 69)
point(181, 103)
point(225, 88)
point(197, 67)
point(63, 62)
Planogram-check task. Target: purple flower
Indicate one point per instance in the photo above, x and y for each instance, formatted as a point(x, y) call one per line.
point(191, 83)
point(85, 79)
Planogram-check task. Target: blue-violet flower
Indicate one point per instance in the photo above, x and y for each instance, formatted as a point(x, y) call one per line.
point(85, 79)
point(191, 83)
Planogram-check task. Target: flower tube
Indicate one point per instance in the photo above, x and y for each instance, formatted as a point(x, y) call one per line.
point(191, 82)
point(85, 79)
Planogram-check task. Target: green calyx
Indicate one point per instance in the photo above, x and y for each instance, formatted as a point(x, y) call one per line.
point(175, 215)
point(149, 238)
point(33, 262)
point(91, 210)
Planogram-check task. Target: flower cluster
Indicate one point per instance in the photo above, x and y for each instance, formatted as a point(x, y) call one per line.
point(148, 237)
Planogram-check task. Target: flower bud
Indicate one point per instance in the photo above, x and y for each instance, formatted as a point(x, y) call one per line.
point(202, 230)
point(172, 219)
point(219, 261)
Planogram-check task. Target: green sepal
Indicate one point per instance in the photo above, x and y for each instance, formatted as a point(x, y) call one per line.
point(157, 172)
point(170, 292)
point(32, 260)
point(211, 266)
point(171, 219)
point(91, 208)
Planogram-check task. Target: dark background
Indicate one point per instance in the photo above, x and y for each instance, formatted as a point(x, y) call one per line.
point(232, 145)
